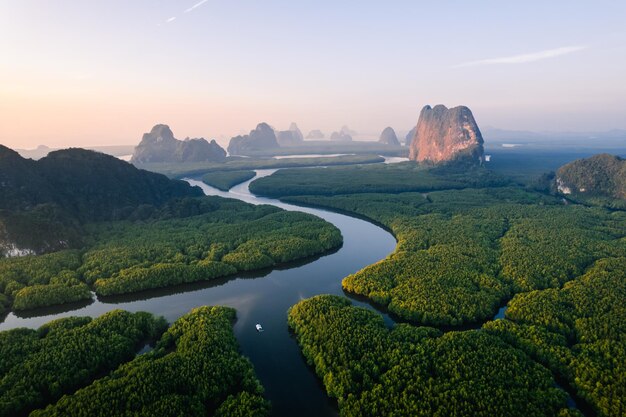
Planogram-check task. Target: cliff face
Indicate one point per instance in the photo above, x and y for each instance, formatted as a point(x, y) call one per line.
point(601, 175)
point(263, 137)
point(444, 134)
point(160, 145)
point(388, 136)
point(199, 150)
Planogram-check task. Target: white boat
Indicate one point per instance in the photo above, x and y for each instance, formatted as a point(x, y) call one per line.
point(259, 328)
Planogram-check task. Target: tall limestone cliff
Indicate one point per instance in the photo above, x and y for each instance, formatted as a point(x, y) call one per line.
point(444, 134)
point(388, 136)
point(160, 145)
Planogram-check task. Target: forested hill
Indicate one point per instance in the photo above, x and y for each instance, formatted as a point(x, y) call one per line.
point(44, 203)
point(86, 184)
point(601, 175)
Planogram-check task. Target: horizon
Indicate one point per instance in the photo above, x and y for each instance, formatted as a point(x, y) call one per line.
point(102, 74)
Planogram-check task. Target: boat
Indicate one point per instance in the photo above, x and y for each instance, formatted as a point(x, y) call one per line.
point(259, 328)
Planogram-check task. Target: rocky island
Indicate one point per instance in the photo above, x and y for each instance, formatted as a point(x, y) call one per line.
point(290, 137)
point(388, 136)
point(444, 134)
point(315, 134)
point(160, 145)
point(262, 137)
point(341, 136)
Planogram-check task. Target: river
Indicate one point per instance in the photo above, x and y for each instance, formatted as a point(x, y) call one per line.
point(262, 297)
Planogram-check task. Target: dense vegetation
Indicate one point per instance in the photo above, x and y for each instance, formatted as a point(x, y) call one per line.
point(88, 185)
point(578, 331)
point(225, 180)
point(45, 203)
point(463, 253)
point(241, 164)
point(37, 281)
point(183, 241)
point(600, 179)
point(38, 367)
point(391, 178)
point(416, 371)
point(195, 370)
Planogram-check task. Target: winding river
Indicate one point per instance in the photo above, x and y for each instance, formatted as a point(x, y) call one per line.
point(262, 297)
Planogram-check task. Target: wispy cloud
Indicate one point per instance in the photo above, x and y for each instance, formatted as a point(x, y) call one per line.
point(195, 6)
point(524, 58)
point(198, 4)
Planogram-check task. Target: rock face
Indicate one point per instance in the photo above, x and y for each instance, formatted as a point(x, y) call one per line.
point(315, 134)
point(601, 175)
point(290, 137)
point(340, 137)
point(409, 136)
point(444, 134)
point(296, 132)
point(160, 145)
point(263, 137)
point(388, 136)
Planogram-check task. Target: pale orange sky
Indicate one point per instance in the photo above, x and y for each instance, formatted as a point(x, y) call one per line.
point(104, 72)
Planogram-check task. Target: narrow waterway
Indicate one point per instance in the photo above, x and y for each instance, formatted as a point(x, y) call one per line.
point(263, 297)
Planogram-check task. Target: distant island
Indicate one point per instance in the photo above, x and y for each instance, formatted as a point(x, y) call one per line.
point(315, 134)
point(388, 136)
point(260, 138)
point(291, 137)
point(160, 145)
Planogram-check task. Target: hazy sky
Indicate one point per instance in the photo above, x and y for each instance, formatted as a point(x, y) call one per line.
point(87, 72)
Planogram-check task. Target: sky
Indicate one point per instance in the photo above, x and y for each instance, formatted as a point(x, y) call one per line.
point(89, 72)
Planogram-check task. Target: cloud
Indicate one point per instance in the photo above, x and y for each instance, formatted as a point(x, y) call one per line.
point(198, 4)
point(171, 19)
point(524, 58)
